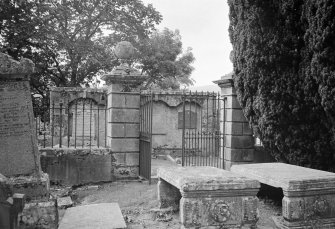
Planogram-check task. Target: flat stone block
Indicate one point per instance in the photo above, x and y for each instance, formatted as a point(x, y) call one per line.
point(239, 142)
point(122, 130)
point(125, 100)
point(233, 128)
point(228, 91)
point(78, 168)
point(235, 115)
point(39, 215)
point(35, 188)
point(125, 116)
point(64, 202)
point(189, 179)
point(232, 102)
point(289, 177)
point(104, 215)
point(124, 144)
point(246, 155)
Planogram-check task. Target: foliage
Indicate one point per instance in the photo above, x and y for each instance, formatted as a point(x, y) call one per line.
point(68, 40)
point(161, 57)
point(284, 60)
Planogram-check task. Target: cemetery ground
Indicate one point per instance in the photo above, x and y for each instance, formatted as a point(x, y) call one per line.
point(140, 206)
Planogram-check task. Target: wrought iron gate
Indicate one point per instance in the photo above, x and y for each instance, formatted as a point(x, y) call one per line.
point(146, 112)
point(203, 124)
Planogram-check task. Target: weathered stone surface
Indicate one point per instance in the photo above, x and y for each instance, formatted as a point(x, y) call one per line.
point(78, 166)
point(211, 197)
point(239, 154)
point(123, 144)
point(239, 142)
point(39, 215)
point(104, 215)
point(235, 115)
point(64, 202)
point(232, 212)
point(35, 188)
point(125, 115)
point(9, 66)
point(233, 128)
point(309, 194)
point(17, 131)
point(168, 195)
point(288, 177)
point(123, 100)
point(122, 130)
point(205, 178)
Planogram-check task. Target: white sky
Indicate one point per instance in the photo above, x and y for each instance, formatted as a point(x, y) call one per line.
point(203, 26)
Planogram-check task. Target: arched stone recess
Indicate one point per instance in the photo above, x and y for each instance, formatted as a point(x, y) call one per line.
point(77, 117)
point(168, 122)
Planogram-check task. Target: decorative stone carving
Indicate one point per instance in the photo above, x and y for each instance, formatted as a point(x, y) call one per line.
point(220, 212)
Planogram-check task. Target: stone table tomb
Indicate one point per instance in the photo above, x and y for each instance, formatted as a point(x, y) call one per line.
point(309, 194)
point(209, 197)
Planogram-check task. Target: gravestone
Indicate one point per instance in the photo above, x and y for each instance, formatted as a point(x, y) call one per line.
point(18, 151)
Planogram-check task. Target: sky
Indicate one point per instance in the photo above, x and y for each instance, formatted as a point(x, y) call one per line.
point(203, 26)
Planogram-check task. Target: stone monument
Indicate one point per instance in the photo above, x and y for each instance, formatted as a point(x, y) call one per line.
point(20, 159)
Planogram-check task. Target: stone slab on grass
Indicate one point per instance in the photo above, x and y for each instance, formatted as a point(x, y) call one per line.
point(94, 216)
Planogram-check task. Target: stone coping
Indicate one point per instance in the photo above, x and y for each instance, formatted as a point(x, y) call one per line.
point(203, 178)
point(288, 177)
point(76, 151)
point(78, 89)
point(28, 179)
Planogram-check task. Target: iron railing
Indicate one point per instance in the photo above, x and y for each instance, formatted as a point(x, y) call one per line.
point(81, 123)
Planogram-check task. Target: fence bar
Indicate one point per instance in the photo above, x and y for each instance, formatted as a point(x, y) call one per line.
point(44, 129)
point(82, 131)
point(68, 124)
point(60, 124)
point(53, 125)
point(183, 133)
point(98, 126)
point(91, 124)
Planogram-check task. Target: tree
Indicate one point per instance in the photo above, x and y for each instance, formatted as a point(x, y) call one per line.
point(161, 57)
point(284, 76)
point(67, 40)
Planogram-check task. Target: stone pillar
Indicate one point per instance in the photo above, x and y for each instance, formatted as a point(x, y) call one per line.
point(123, 114)
point(238, 137)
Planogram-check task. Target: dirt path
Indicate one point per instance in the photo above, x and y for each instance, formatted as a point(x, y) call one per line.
point(138, 202)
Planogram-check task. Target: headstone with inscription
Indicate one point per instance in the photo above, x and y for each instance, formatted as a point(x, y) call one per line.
point(18, 151)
